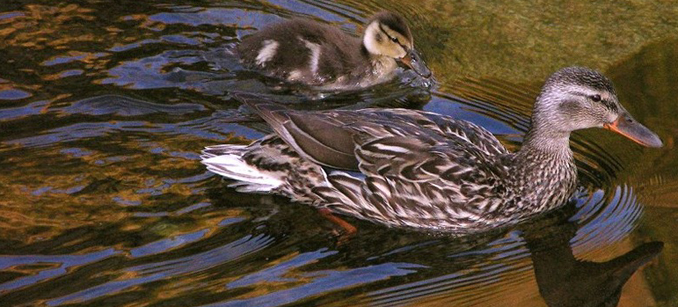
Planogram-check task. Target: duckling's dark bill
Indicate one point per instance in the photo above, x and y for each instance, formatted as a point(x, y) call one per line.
point(413, 60)
point(632, 129)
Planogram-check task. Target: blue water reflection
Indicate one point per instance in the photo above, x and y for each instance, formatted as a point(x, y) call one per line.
point(62, 264)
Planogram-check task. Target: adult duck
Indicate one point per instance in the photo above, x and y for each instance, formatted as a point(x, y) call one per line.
point(318, 55)
point(418, 169)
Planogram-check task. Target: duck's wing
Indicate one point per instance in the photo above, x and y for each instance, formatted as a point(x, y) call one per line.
point(452, 128)
point(418, 169)
point(426, 180)
point(321, 137)
point(329, 137)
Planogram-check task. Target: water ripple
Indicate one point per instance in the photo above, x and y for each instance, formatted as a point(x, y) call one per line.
point(104, 201)
point(63, 264)
point(171, 268)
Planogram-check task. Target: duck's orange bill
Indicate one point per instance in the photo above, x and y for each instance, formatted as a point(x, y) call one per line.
point(413, 60)
point(630, 128)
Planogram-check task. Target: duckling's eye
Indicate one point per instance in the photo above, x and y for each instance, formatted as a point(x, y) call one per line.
point(393, 39)
point(595, 98)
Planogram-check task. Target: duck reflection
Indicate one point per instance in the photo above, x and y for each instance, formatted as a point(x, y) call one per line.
point(564, 280)
point(494, 267)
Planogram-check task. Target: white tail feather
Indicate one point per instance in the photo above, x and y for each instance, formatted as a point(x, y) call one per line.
point(250, 179)
point(223, 149)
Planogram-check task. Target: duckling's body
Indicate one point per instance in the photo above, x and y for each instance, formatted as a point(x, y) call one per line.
point(423, 170)
point(315, 54)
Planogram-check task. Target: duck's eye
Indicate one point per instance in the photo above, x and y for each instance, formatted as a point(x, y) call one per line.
point(393, 39)
point(595, 98)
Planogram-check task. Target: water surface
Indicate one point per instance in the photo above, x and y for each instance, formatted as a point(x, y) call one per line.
point(104, 108)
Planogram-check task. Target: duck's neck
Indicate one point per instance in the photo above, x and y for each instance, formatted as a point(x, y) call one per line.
point(547, 135)
point(548, 142)
point(542, 173)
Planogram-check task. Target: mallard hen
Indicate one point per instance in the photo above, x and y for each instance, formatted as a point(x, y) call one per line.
point(418, 169)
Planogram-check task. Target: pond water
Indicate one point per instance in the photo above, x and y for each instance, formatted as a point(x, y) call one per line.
point(105, 106)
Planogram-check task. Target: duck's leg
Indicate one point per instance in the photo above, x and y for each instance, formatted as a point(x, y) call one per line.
point(349, 230)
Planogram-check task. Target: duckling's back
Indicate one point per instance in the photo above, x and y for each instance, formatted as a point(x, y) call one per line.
point(304, 51)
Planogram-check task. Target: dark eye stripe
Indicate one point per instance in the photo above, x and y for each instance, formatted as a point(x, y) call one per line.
point(607, 103)
point(393, 39)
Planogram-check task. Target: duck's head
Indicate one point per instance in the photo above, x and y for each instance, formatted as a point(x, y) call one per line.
point(387, 34)
point(576, 98)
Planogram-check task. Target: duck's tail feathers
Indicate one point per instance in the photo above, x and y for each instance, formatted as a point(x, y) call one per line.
point(222, 150)
point(227, 161)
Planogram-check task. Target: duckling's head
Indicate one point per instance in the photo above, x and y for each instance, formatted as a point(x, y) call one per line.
point(387, 34)
point(576, 98)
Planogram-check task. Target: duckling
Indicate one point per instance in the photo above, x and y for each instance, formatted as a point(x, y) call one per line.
point(318, 55)
point(410, 168)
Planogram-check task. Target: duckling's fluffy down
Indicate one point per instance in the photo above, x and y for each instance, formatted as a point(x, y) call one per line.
point(304, 51)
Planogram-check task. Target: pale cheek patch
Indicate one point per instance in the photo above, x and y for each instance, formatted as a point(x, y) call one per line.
point(267, 52)
point(370, 41)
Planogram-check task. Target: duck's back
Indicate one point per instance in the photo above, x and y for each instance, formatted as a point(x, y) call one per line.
point(424, 170)
point(418, 169)
point(303, 51)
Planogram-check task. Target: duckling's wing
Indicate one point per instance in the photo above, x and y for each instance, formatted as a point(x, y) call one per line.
point(306, 47)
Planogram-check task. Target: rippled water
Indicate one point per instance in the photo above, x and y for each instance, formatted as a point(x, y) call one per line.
point(105, 107)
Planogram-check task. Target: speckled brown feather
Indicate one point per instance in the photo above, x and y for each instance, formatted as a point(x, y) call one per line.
point(435, 171)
